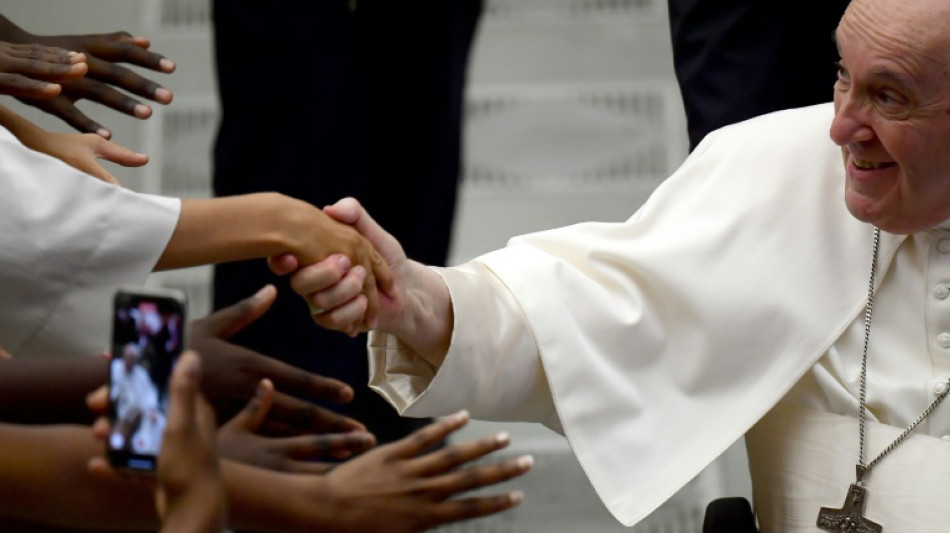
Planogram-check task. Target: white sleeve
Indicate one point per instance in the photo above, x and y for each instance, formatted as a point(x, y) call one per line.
point(68, 241)
point(492, 367)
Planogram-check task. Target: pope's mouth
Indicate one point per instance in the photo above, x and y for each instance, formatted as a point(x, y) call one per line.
point(870, 165)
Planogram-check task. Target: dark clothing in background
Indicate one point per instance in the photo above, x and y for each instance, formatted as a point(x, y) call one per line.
point(736, 59)
point(320, 102)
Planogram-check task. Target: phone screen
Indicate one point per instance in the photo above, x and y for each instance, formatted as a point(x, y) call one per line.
point(147, 338)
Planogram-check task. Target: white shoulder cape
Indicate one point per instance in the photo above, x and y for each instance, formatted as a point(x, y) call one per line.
point(665, 338)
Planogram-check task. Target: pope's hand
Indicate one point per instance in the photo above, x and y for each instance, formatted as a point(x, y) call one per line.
point(333, 287)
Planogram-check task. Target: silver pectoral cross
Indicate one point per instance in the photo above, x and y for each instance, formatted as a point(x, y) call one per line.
point(850, 518)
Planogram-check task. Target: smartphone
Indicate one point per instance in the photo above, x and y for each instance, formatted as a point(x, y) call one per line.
point(148, 335)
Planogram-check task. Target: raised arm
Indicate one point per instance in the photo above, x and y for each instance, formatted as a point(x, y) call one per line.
point(249, 226)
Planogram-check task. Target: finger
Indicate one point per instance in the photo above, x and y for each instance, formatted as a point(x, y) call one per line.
point(100, 428)
point(116, 75)
point(332, 296)
point(206, 421)
point(255, 412)
point(101, 93)
point(226, 322)
point(450, 457)
point(469, 508)
point(346, 210)
point(282, 264)
point(349, 211)
point(40, 69)
point(321, 275)
point(347, 318)
point(382, 272)
point(475, 477)
point(428, 436)
point(98, 400)
point(62, 107)
point(23, 87)
point(46, 54)
point(310, 418)
point(120, 155)
point(125, 48)
point(328, 445)
point(185, 382)
point(372, 299)
point(296, 382)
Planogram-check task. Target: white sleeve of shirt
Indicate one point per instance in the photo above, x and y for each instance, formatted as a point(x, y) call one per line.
point(492, 367)
point(68, 241)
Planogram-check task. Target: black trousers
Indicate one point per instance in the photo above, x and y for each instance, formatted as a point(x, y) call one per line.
point(320, 102)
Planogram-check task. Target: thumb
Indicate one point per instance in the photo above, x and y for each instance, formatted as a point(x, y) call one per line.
point(252, 416)
point(350, 211)
point(226, 322)
point(346, 210)
point(186, 378)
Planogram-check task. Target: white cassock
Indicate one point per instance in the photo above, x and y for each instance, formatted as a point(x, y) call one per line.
point(68, 241)
point(654, 344)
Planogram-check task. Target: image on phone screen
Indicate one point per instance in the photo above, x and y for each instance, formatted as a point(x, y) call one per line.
point(147, 338)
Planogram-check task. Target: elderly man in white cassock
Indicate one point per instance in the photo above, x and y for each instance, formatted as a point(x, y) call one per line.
point(765, 290)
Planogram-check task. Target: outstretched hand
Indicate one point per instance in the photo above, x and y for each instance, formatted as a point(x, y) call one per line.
point(238, 439)
point(234, 373)
point(84, 150)
point(104, 78)
point(35, 71)
point(400, 488)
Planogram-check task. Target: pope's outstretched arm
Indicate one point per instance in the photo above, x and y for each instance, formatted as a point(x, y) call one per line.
point(418, 309)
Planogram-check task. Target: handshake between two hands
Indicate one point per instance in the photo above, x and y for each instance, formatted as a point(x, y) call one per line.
point(352, 297)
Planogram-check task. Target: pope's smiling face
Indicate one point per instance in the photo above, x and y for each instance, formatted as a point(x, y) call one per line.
point(892, 112)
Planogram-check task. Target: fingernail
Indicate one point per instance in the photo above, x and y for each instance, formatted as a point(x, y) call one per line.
point(167, 65)
point(461, 415)
point(104, 133)
point(516, 497)
point(524, 462)
point(502, 437)
point(259, 295)
point(261, 390)
point(142, 111)
point(163, 95)
point(344, 262)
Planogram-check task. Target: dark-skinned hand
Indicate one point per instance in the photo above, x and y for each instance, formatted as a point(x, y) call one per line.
point(399, 488)
point(232, 374)
point(105, 80)
point(35, 71)
point(238, 439)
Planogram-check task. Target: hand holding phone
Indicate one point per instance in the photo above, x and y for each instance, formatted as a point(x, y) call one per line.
point(147, 338)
